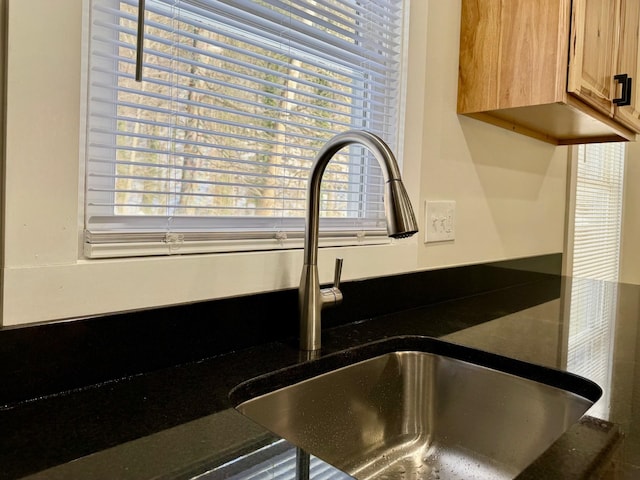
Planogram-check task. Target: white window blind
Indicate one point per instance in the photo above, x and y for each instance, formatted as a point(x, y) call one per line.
point(596, 255)
point(598, 211)
point(212, 150)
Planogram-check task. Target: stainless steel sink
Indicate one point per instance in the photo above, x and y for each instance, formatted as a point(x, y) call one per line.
point(419, 408)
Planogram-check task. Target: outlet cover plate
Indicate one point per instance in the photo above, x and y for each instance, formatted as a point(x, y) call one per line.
point(440, 221)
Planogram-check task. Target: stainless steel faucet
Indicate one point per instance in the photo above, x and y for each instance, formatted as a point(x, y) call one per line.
point(401, 223)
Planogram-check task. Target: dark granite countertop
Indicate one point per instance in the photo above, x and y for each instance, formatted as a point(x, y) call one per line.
point(177, 421)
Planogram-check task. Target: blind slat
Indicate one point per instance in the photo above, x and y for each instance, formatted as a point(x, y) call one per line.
point(185, 117)
point(331, 49)
point(188, 168)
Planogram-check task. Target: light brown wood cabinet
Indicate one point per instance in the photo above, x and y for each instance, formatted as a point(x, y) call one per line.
point(547, 68)
point(629, 61)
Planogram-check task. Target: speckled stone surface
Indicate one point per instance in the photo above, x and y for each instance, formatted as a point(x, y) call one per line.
point(176, 421)
point(586, 450)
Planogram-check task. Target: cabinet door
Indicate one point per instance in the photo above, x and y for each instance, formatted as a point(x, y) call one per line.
point(593, 43)
point(628, 62)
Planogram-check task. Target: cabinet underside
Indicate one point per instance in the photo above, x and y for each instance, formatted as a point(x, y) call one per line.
point(557, 123)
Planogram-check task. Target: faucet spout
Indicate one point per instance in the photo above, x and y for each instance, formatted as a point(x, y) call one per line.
point(401, 223)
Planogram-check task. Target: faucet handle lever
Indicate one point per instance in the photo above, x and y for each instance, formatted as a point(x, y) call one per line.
point(337, 273)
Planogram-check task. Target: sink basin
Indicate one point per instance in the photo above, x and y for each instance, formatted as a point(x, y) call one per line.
point(417, 407)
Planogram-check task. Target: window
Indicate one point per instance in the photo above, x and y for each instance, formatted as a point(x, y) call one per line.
point(596, 255)
point(212, 150)
point(598, 211)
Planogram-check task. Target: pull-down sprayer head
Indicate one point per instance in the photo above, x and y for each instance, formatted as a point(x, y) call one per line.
point(401, 222)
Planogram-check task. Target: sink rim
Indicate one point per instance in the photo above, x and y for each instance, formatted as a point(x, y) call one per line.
point(305, 370)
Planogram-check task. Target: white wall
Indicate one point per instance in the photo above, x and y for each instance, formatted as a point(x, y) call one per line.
point(510, 190)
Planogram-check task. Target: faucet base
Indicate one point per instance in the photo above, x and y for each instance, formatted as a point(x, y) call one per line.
point(309, 305)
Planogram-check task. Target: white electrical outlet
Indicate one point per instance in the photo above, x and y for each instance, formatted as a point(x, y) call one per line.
point(440, 221)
